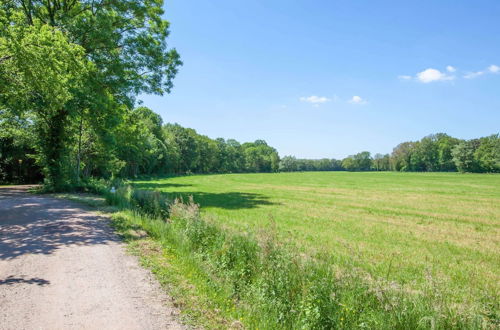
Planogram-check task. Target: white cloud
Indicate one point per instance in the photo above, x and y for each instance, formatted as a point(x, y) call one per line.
point(494, 68)
point(404, 77)
point(357, 100)
point(430, 75)
point(472, 75)
point(449, 68)
point(315, 99)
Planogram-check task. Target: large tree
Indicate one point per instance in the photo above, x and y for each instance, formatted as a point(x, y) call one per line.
point(93, 58)
point(39, 70)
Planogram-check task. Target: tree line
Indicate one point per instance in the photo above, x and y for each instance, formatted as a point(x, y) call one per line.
point(140, 145)
point(433, 153)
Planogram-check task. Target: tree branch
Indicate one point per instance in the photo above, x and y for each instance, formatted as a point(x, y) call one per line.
point(5, 58)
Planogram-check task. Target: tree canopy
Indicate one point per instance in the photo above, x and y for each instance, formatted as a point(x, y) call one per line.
point(72, 69)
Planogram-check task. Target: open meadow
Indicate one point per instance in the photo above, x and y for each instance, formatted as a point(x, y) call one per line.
point(419, 230)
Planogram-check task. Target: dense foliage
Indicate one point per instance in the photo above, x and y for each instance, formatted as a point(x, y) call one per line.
point(195, 153)
point(69, 71)
point(140, 145)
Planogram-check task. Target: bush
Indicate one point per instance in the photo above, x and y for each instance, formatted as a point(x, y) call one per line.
point(151, 203)
point(121, 197)
point(146, 202)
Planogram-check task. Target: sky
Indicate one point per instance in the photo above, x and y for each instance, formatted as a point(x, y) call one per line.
point(327, 79)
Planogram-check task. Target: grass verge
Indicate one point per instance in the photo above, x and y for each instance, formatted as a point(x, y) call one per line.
point(220, 278)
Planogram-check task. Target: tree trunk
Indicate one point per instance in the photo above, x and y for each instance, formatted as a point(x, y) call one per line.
point(53, 144)
point(78, 160)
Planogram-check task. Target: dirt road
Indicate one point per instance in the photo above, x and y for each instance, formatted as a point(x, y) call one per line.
point(61, 267)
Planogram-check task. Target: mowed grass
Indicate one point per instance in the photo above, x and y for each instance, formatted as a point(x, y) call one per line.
point(420, 230)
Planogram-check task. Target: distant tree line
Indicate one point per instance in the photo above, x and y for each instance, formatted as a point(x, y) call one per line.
point(292, 164)
point(434, 153)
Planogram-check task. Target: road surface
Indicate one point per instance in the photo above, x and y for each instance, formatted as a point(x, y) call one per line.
point(62, 267)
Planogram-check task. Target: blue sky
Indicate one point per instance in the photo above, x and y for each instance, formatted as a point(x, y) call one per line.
point(331, 78)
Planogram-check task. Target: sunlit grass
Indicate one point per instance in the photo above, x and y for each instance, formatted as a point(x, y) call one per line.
point(406, 227)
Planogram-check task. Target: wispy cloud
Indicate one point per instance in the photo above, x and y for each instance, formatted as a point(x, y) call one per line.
point(491, 69)
point(313, 99)
point(358, 100)
point(404, 77)
point(472, 75)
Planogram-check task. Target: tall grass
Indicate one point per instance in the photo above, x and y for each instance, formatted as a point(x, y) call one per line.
point(276, 287)
point(146, 202)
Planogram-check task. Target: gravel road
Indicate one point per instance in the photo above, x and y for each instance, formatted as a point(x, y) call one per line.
point(62, 267)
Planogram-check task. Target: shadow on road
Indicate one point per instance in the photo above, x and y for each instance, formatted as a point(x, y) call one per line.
point(11, 280)
point(37, 224)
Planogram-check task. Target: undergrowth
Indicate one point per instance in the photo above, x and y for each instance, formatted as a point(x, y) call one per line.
point(255, 281)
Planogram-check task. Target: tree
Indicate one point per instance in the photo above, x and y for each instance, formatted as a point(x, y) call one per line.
point(487, 155)
point(140, 144)
point(401, 157)
point(208, 155)
point(235, 156)
point(381, 162)
point(359, 162)
point(349, 164)
point(17, 163)
point(185, 142)
point(463, 156)
point(478, 155)
point(445, 146)
point(288, 164)
point(260, 157)
point(83, 57)
point(39, 69)
point(433, 153)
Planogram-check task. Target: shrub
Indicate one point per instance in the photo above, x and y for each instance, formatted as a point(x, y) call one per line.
point(120, 197)
point(146, 202)
point(151, 203)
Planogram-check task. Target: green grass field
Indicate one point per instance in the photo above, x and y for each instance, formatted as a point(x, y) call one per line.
point(421, 230)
